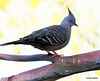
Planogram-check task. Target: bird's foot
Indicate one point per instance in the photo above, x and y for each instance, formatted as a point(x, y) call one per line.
point(55, 54)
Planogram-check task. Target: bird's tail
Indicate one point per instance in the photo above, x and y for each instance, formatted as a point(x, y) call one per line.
point(13, 42)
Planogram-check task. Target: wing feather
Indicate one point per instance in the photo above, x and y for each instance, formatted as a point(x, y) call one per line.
point(53, 35)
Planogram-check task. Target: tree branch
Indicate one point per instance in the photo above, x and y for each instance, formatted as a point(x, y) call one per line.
point(24, 58)
point(61, 66)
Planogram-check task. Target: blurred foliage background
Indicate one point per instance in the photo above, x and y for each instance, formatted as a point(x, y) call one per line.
point(19, 18)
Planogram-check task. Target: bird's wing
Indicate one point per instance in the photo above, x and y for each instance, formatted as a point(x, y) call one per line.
point(57, 35)
point(53, 35)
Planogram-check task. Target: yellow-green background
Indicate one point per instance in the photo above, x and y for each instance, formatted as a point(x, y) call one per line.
point(19, 18)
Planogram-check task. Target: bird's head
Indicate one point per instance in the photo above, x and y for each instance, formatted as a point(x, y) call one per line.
point(70, 19)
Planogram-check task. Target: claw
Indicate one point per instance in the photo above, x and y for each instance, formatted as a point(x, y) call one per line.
point(55, 54)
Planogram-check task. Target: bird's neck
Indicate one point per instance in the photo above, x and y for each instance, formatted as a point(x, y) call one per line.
point(65, 24)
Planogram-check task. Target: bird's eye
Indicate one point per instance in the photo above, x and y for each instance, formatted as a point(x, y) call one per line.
point(70, 21)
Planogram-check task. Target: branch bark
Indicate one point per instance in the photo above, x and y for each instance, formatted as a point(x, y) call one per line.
point(60, 67)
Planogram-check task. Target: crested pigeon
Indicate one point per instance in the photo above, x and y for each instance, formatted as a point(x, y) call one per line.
point(50, 38)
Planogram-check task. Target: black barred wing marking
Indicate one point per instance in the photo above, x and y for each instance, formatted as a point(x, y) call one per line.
point(57, 35)
point(53, 35)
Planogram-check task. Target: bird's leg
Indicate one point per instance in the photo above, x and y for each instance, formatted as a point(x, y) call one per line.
point(55, 54)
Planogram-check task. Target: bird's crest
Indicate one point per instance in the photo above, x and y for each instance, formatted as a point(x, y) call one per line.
point(70, 13)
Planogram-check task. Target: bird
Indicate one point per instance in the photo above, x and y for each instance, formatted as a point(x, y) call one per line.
point(50, 38)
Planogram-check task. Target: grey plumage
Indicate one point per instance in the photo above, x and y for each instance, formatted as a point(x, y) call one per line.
point(50, 38)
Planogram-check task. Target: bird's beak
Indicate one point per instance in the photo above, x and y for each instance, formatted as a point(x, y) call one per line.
point(75, 24)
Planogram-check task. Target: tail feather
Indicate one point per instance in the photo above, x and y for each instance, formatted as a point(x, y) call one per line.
point(13, 42)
